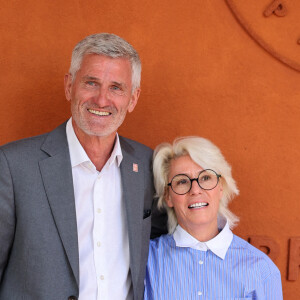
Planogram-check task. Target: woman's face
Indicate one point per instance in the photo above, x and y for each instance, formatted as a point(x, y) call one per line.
point(196, 210)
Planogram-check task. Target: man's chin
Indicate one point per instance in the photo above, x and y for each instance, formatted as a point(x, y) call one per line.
point(97, 132)
point(95, 128)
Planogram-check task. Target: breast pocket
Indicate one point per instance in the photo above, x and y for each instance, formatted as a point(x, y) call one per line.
point(247, 298)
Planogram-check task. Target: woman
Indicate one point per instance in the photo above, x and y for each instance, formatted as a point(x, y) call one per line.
point(201, 258)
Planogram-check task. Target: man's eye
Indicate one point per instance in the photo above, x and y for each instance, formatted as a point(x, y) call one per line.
point(91, 83)
point(115, 88)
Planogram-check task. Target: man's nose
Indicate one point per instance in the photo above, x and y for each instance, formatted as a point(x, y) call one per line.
point(102, 97)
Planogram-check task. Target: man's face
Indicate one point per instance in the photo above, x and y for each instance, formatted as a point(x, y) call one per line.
point(100, 95)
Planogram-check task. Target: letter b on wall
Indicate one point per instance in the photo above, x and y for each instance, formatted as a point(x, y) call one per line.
point(294, 258)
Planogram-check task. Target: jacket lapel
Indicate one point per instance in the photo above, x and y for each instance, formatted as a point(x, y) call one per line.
point(132, 174)
point(57, 177)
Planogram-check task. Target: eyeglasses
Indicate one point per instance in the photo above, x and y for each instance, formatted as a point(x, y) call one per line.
point(207, 180)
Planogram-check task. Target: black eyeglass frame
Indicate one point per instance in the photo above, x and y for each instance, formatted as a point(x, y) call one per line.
point(197, 180)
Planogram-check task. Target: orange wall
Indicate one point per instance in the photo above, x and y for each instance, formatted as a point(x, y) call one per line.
point(202, 75)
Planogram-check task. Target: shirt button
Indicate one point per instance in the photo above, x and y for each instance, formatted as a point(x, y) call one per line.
point(99, 210)
point(102, 277)
point(98, 244)
point(200, 262)
point(199, 293)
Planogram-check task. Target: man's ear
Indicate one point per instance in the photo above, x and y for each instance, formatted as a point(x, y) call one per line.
point(68, 85)
point(134, 99)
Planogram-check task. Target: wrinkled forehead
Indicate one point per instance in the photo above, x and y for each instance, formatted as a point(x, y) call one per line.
point(103, 67)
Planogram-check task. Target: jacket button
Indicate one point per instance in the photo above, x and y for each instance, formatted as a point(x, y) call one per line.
point(72, 298)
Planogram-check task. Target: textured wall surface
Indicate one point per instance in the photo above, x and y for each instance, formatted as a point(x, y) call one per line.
point(202, 75)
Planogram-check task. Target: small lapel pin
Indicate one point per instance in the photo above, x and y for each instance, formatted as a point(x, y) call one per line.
point(135, 168)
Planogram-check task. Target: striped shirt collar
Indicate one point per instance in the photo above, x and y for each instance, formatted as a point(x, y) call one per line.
point(218, 245)
point(78, 155)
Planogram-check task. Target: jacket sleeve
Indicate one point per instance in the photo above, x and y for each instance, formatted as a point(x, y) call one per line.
point(7, 213)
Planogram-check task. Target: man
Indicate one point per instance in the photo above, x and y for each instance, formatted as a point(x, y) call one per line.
point(75, 203)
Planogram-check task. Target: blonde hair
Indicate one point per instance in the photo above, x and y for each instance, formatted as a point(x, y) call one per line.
point(205, 154)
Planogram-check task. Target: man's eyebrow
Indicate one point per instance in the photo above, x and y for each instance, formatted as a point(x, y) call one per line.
point(120, 84)
point(117, 83)
point(90, 78)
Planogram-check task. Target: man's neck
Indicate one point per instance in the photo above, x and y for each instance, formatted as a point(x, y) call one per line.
point(97, 148)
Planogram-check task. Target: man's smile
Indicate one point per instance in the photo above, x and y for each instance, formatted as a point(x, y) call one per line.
point(99, 113)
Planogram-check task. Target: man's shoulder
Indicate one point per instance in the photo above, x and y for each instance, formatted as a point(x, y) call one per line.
point(28, 144)
point(134, 146)
point(24, 143)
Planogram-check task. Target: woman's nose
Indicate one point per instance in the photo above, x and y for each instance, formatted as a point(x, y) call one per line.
point(195, 188)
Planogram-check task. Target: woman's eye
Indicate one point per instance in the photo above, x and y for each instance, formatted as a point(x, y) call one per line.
point(182, 181)
point(205, 178)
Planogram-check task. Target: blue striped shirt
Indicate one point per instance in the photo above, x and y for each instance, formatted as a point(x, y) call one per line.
point(244, 272)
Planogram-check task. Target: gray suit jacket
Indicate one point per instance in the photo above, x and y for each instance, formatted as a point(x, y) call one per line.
point(38, 231)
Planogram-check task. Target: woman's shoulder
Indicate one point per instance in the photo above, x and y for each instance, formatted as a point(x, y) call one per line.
point(161, 244)
point(253, 256)
point(163, 240)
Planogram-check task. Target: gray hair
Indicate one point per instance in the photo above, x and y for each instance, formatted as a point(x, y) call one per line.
point(205, 154)
point(110, 45)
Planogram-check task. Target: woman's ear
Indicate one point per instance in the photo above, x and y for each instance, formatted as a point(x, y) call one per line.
point(221, 188)
point(168, 198)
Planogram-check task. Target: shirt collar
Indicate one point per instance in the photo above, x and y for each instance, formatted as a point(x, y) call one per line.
point(78, 155)
point(218, 245)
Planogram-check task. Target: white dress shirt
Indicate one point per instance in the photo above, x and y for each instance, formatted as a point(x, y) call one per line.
point(218, 245)
point(101, 225)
